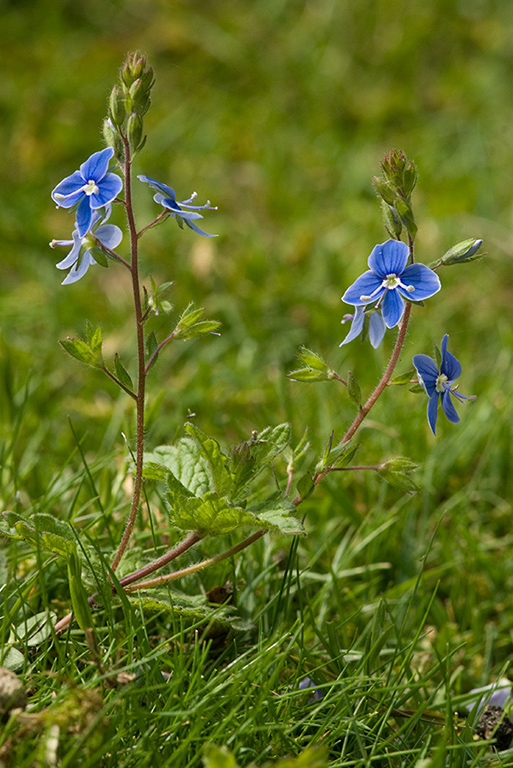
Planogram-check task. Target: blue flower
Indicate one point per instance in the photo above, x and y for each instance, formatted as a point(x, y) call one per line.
point(440, 383)
point(80, 258)
point(376, 326)
point(389, 281)
point(92, 187)
point(166, 197)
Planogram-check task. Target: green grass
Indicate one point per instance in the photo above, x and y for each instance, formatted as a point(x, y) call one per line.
point(394, 605)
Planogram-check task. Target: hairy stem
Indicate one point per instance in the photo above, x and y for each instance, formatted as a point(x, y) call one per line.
point(199, 566)
point(141, 378)
point(364, 410)
point(164, 560)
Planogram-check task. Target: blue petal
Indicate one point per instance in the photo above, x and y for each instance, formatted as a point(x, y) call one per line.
point(79, 269)
point(432, 412)
point(197, 229)
point(167, 191)
point(108, 189)
point(424, 280)
point(174, 207)
point(365, 285)
point(70, 186)
point(95, 167)
point(73, 255)
point(356, 326)
point(84, 216)
point(427, 371)
point(389, 258)
point(450, 365)
point(392, 307)
point(449, 409)
point(377, 329)
point(109, 235)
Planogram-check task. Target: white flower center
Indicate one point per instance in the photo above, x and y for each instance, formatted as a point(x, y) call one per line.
point(441, 383)
point(91, 188)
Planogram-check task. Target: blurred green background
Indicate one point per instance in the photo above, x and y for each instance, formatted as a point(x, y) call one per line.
point(279, 112)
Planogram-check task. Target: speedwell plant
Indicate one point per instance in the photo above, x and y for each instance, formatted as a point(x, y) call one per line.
point(210, 492)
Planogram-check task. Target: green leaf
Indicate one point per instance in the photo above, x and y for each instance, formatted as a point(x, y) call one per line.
point(196, 608)
point(217, 463)
point(81, 351)
point(185, 462)
point(122, 373)
point(317, 369)
point(99, 255)
point(151, 346)
point(278, 514)
point(270, 442)
point(218, 757)
point(309, 376)
point(188, 317)
point(401, 464)
point(78, 594)
point(353, 389)
point(94, 338)
point(404, 378)
point(339, 456)
point(34, 630)
point(305, 486)
point(189, 326)
point(312, 360)
point(42, 530)
point(398, 479)
point(345, 457)
point(211, 514)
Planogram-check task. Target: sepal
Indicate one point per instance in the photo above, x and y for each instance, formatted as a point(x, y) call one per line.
point(88, 352)
point(316, 368)
point(189, 326)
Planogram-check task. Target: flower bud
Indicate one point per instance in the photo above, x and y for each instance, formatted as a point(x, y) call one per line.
point(384, 189)
point(462, 252)
point(135, 131)
point(392, 221)
point(133, 68)
point(113, 139)
point(409, 178)
point(117, 111)
point(139, 96)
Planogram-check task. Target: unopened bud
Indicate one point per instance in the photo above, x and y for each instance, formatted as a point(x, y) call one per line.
point(463, 252)
point(117, 110)
point(135, 131)
point(113, 139)
point(392, 221)
point(409, 178)
point(139, 97)
point(384, 189)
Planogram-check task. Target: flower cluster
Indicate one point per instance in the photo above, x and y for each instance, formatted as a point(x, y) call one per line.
point(92, 190)
point(380, 294)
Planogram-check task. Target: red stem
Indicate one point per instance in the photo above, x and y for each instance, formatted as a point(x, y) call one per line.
point(141, 379)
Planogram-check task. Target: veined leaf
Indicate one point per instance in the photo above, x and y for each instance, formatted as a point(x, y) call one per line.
point(211, 515)
point(278, 514)
point(194, 607)
point(184, 461)
point(221, 480)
